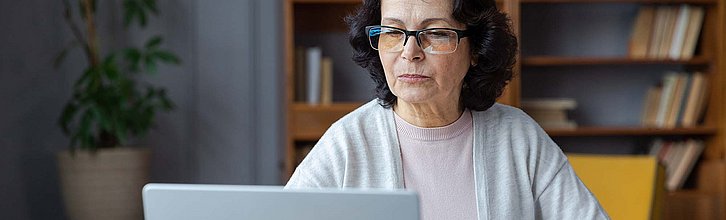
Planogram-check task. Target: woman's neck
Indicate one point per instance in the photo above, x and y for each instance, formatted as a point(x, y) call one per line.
point(428, 115)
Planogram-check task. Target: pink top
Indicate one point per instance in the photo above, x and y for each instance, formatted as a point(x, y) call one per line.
point(438, 164)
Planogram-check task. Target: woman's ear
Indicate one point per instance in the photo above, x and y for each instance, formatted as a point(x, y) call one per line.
point(474, 60)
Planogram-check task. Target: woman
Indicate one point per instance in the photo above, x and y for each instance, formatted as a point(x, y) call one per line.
point(435, 128)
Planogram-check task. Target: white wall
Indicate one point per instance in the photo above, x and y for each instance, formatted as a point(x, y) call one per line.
point(226, 127)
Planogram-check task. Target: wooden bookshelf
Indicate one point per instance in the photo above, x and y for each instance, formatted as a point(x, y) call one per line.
point(582, 61)
point(630, 131)
point(692, 204)
point(705, 197)
point(619, 1)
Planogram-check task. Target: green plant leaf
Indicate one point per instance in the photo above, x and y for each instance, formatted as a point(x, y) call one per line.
point(154, 42)
point(84, 130)
point(142, 17)
point(150, 64)
point(66, 116)
point(129, 12)
point(133, 57)
point(84, 81)
point(110, 69)
point(166, 103)
point(151, 5)
point(166, 57)
point(100, 118)
point(134, 10)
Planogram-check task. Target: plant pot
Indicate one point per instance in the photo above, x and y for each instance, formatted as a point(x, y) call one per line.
point(105, 184)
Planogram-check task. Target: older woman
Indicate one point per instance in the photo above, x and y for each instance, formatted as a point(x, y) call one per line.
point(435, 128)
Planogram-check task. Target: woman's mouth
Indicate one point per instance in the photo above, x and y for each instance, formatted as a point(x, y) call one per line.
point(412, 78)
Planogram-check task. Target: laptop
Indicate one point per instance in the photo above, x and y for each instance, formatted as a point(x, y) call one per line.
point(244, 202)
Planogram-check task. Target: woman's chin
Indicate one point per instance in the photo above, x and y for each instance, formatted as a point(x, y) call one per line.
point(414, 98)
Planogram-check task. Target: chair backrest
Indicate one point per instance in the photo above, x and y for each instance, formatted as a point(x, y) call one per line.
point(627, 186)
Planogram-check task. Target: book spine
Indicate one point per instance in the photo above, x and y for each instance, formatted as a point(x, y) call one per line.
point(314, 57)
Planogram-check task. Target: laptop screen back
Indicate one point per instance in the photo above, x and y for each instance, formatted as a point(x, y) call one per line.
point(239, 202)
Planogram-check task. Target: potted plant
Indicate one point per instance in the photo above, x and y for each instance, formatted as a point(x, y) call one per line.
point(101, 177)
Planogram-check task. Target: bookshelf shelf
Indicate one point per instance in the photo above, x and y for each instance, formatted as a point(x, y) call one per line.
point(707, 205)
point(629, 131)
point(618, 1)
point(309, 122)
point(579, 61)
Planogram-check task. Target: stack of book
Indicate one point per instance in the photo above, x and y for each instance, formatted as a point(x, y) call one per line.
point(666, 32)
point(551, 113)
point(679, 157)
point(678, 101)
point(313, 76)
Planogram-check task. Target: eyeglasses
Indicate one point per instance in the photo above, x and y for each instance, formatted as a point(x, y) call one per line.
point(431, 40)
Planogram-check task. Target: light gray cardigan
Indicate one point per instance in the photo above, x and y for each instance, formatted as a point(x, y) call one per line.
point(520, 173)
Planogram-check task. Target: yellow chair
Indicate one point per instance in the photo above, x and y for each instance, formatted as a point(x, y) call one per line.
point(627, 186)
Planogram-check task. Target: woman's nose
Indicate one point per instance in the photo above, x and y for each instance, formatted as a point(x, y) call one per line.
point(411, 50)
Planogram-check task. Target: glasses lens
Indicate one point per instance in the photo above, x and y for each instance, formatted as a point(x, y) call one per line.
point(439, 41)
point(386, 39)
point(373, 35)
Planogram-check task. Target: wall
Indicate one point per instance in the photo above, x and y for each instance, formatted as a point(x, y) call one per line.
point(225, 129)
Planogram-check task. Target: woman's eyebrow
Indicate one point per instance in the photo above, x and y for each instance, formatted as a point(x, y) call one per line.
point(393, 20)
point(425, 22)
point(433, 20)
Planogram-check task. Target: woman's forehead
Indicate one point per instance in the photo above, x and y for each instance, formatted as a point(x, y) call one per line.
point(406, 7)
point(414, 12)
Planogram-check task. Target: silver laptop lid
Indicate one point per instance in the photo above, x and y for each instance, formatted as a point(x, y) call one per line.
point(239, 202)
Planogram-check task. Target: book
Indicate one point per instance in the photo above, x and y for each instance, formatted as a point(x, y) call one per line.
point(655, 148)
point(691, 151)
point(679, 34)
point(326, 94)
point(687, 78)
point(679, 158)
point(640, 35)
point(551, 112)
point(693, 30)
point(666, 98)
point(299, 78)
point(650, 106)
point(676, 100)
point(545, 115)
point(550, 103)
point(671, 14)
point(694, 93)
point(672, 156)
point(701, 100)
point(659, 28)
point(314, 57)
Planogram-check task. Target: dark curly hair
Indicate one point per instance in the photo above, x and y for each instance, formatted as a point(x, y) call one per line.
point(492, 44)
